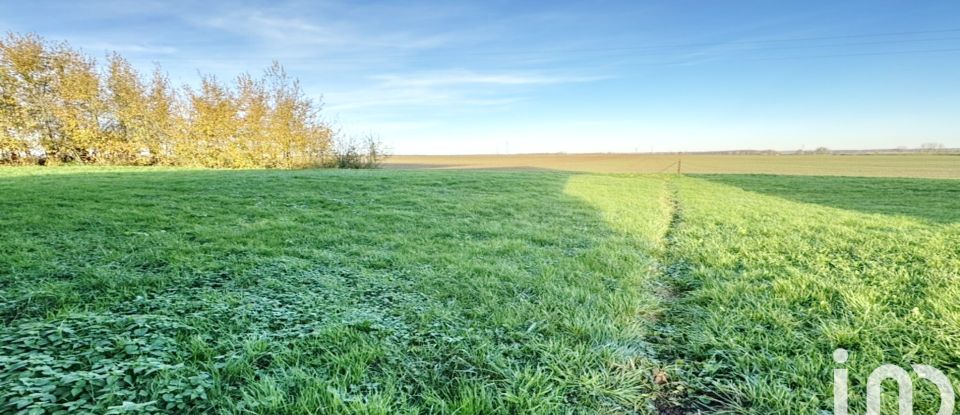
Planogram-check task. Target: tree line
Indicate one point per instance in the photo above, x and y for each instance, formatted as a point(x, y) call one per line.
point(58, 105)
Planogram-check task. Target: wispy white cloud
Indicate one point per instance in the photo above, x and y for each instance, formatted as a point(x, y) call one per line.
point(448, 78)
point(460, 88)
point(279, 29)
point(259, 24)
point(366, 98)
point(129, 48)
point(391, 127)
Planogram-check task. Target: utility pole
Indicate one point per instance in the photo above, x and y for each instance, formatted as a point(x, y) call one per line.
point(678, 166)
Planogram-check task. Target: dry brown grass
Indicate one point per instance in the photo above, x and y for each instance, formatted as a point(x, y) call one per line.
point(888, 165)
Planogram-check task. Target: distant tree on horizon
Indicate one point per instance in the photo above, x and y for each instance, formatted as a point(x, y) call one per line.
point(932, 147)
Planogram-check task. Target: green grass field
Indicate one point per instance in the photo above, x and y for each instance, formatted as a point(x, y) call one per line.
point(467, 292)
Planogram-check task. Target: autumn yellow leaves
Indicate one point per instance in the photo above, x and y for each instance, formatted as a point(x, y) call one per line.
point(58, 105)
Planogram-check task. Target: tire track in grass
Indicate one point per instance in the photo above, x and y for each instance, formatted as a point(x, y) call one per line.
point(672, 395)
point(638, 211)
point(682, 387)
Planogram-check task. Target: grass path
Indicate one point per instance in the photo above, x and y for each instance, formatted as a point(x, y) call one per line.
point(671, 397)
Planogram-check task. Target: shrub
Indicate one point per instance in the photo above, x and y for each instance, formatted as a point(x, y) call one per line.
point(365, 152)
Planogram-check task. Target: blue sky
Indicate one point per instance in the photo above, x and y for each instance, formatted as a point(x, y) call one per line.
point(440, 77)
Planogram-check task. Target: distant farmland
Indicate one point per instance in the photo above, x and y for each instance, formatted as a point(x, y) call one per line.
point(878, 165)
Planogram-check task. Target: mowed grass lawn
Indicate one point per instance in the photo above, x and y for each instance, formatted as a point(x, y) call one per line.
point(468, 292)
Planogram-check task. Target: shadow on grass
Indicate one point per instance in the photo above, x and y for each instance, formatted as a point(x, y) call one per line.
point(424, 166)
point(473, 287)
point(478, 167)
point(934, 200)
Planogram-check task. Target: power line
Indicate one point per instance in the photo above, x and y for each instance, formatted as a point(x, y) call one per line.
point(755, 59)
point(733, 42)
point(834, 45)
point(852, 54)
point(541, 52)
point(845, 55)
